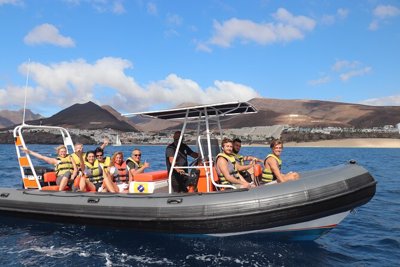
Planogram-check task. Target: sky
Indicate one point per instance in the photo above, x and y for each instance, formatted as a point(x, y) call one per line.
point(138, 55)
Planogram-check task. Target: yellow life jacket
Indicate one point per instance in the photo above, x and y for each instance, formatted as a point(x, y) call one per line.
point(106, 163)
point(239, 158)
point(76, 159)
point(231, 168)
point(267, 174)
point(64, 165)
point(137, 165)
point(96, 173)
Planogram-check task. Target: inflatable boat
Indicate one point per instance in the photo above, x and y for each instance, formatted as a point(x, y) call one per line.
point(301, 209)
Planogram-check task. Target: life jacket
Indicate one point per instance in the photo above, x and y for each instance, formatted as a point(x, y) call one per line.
point(106, 163)
point(96, 172)
point(239, 158)
point(231, 168)
point(137, 165)
point(64, 165)
point(76, 159)
point(267, 174)
point(123, 175)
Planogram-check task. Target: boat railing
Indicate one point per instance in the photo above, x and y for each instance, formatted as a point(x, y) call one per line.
point(209, 168)
point(25, 160)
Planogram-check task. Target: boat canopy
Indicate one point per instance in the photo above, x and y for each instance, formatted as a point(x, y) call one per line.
point(211, 110)
point(202, 114)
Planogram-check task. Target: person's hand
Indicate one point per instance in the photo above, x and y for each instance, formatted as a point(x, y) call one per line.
point(146, 164)
point(181, 172)
point(25, 150)
point(106, 141)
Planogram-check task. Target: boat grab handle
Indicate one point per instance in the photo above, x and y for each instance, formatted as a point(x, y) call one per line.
point(174, 201)
point(93, 200)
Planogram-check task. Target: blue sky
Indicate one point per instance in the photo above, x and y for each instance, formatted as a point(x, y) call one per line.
point(142, 55)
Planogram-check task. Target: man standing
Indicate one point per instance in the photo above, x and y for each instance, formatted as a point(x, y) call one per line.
point(179, 176)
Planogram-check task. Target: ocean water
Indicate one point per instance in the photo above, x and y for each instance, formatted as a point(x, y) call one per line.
point(370, 236)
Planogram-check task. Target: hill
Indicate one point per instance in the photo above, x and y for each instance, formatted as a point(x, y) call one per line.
point(86, 116)
point(303, 113)
point(9, 118)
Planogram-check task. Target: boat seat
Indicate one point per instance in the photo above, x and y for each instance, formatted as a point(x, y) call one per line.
point(49, 177)
point(202, 182)
point(151, 176)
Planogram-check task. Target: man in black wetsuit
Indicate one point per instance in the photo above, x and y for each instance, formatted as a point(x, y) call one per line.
point(179, 176)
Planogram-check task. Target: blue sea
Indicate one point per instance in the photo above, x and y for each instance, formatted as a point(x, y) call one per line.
point(370, 236)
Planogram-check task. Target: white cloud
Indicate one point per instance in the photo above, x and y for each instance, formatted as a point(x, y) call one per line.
point(152, 9)
point(47, 33)
point(354, 73)
point(174, 20)
point(328, 19)
point(341, 13)
point(285, 28)
point(118, 7)
point(345, 64)
point(383, 13)
point(63, 84)
point(343, 70)
point(374, 25)
point(320, 81)
point(11, 2)
point(383, 101)
point(203, 47)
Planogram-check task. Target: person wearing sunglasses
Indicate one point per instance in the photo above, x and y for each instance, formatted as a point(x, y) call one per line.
point(272, 166)
point(135, 165)
point(105, 161)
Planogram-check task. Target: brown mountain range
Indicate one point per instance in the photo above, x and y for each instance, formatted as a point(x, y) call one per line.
point(86, 116)
point(9, 118)
point(306, 113)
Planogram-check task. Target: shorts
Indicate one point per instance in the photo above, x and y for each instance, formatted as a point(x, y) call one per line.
point(122, 187)
point(67, 174)
point(98, 185)
point(247, 176)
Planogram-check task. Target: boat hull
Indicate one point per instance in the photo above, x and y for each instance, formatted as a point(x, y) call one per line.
point(315, 203)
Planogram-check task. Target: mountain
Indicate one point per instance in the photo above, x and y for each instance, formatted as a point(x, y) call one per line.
point(326, 113)
point(9, 118)
point(86, 116)
point(305, 113)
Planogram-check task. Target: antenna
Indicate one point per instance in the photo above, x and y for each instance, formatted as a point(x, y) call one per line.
point(26, 89)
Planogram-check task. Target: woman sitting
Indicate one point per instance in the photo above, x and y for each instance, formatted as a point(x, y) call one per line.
point(65, 167)
point(119, 171)
point(95, 178)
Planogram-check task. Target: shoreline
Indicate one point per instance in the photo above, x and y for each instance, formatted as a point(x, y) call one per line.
point(347, 143)
point(351, 142)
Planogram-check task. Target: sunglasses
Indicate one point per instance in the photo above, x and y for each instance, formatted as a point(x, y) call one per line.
point(99, 155)
point(137, 155)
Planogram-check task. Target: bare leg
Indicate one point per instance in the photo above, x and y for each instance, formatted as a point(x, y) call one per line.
point(82, 184)
point(63, 183)
point(110, 185)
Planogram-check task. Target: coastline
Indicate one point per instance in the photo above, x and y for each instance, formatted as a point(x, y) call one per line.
point(351, 142)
